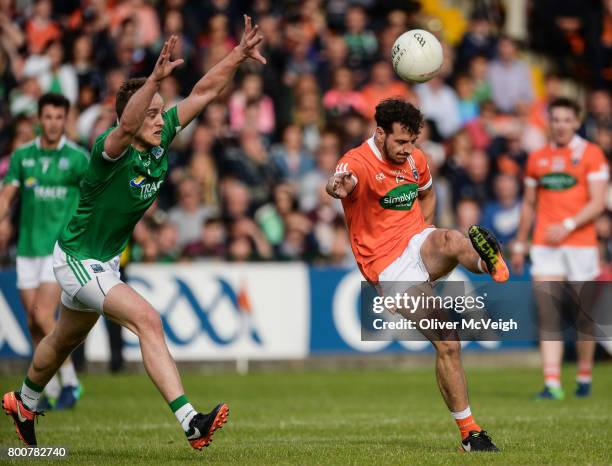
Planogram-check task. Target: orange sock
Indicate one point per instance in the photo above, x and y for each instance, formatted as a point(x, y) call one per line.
point(465, 422)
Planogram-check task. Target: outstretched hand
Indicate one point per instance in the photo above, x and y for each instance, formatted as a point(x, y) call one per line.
point(164, 67)
point(343, 184)
point(251, 39)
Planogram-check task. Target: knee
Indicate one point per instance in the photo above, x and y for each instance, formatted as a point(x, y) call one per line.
point(448, 349)
point(450, 240)
point(149, 322)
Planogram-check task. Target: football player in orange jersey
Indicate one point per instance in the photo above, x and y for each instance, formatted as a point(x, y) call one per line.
point(388, 200)
point(565, 185)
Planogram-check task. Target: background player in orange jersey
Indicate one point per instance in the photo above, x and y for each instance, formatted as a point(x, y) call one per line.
point(565, 186)
point(388, 201)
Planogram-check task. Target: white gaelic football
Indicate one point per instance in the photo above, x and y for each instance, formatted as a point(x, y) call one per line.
point(417, 55)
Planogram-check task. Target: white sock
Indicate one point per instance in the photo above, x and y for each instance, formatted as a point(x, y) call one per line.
point(68, 374)
point(184, 415)
point(53, 388)
point(552, 383)
point(462, 414)
point(29, 397)
point(481, 266)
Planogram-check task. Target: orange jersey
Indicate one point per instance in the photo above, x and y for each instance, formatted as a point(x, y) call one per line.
point(562, 176)
point(382, 213)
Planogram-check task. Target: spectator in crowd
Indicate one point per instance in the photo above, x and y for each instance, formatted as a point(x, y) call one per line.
point(361, 42)
point(598, 113)
point(202, 167)
point(334, 56)
point(483, 129)
point(167, 240)
point(145, 20)
point(251, 163)
point(326, 159)
point(502, 215)
point(250, 93)
point(53, 75)
point(309, 116)
point(478, 71)
point(24, 97)
point(538, 113)
point(343, 97)
point(189, 214)
point(212, 241)
point(510, 77)
point(474, 182)
point(468, 214)
point(90, 80)
point(292, 160)
point(235, 200)
point(468, 106)
point(382, 85)
point(40, 28)
point(247, 242)
point(439, 102)
point(477, 40)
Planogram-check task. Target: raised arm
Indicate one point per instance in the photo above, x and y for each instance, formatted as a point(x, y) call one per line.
point(133, 115)
point(213, 82)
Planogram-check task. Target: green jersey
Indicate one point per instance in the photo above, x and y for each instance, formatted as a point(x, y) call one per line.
point(48, 181)
point(115, 194)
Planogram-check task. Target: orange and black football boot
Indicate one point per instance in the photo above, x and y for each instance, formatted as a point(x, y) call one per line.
point(22, 417)
point(202, 426)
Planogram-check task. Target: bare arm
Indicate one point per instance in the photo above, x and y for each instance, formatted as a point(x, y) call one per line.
point(591, 210)
point(596, 205)
point(213, 82)
point(527, 214)
point(427, 200)
point(519, 246)
point(7, 195)
point(133, 115)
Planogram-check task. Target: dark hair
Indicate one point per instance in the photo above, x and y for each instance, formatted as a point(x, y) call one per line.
point(125, 92)
point(564, 102)
point(57, 100)
point(391, 111)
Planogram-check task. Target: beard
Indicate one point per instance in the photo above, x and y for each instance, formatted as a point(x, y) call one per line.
point(387, 153)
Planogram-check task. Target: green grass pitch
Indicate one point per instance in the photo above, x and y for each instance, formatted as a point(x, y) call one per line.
point(322, 417)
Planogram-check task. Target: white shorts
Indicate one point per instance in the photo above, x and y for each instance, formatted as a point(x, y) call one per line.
point(574, 263)
point(85, 283)
point(408, 267)
point(32, 271)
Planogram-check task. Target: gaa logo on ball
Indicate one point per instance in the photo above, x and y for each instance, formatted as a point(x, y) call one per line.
point(417, 56)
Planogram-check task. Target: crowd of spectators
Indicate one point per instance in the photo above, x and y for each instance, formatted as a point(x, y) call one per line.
point(246, 180)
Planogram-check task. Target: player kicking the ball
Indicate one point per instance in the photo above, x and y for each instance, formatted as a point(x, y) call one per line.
point(388, 200)
point(128, 165)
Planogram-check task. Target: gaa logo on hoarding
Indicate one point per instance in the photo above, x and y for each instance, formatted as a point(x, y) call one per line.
point(225, 317)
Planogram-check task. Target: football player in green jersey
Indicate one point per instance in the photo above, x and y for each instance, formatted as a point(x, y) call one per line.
point(128, 165)
point(46, 173)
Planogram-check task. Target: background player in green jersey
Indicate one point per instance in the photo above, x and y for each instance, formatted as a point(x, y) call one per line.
point(128, 165)
point(46, 173)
